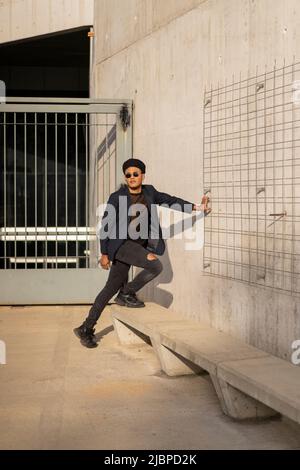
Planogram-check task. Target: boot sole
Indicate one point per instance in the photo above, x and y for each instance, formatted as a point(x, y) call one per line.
point(76, 333)
point(124, 304)
point(81, 342)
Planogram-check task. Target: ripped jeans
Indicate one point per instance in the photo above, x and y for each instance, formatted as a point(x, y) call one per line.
point(129, 253)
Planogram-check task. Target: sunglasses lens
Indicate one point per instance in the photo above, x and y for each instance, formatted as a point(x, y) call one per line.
point(135, 174)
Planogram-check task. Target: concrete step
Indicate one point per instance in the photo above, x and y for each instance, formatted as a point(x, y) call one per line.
point(269, 380)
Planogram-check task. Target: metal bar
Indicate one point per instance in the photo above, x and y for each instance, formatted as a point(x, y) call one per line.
point(43, 260)
point(96, 172)
point(95, 175)
point(76, 184)
point(256, 173)
point(226, 205)
point(240, 169)
point(208, 263)
point(218, 173)
point(35, 187)
point(274, 201)
point(280, 217)
point(293, 280)
point(59, 229)
point(56, 187)
point(15, 183)
point(269, 199)
point(252, 183)
point(265, 177)
point(232, 179)
point(66, 180)
point(107, 153)
point(86, 189)
point(248, 177)
point(18, 99)
point(4, 185)
point(116, 162)
point(46, 186)
point(282, 175)
point(59, 124)
point(25, 186)
point(63, 108)
point(105, 169)
point(280, 214)
point(204, 186)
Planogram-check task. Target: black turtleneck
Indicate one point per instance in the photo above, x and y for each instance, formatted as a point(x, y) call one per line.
point(139, 198)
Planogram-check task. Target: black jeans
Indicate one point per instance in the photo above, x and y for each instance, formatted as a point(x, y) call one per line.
point(129, 253)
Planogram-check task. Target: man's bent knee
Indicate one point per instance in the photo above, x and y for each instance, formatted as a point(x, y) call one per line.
point(155, 266)
point(151, 256)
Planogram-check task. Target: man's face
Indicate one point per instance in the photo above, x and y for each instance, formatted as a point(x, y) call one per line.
point(134, 177)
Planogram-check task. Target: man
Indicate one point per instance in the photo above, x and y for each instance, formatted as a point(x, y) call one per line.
point(137, 245)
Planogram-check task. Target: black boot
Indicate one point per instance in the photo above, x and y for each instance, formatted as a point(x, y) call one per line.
point(86, 336)
point(128, 300)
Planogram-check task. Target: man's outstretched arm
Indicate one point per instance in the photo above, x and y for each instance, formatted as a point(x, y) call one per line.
point(185, 206)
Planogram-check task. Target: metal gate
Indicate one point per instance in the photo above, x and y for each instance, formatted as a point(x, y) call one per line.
point(59, 161)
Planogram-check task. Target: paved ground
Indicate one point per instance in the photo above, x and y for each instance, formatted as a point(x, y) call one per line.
point(55, 394)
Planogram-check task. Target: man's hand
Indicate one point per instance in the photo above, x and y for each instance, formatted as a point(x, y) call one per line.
point(204, 203)
point(203, 206)
point(104, 262)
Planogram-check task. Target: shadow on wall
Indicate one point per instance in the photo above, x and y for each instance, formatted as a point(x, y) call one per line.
point(151, 291)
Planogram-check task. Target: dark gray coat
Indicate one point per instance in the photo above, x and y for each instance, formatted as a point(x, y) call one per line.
point(156, 245)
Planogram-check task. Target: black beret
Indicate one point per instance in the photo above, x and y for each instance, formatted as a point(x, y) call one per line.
point(134, 162)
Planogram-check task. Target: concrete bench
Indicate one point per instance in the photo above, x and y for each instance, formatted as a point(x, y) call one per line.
point(249, 382)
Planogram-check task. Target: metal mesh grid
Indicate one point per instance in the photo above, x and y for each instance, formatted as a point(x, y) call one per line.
point(251, 131)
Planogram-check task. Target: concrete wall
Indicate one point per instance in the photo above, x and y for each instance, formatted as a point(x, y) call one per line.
point(21, 19)
point(163, 55)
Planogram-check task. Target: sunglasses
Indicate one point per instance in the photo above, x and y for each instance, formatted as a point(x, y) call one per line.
point(135, 174)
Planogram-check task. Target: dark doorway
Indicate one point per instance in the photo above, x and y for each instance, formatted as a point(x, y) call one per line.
point(55, 65)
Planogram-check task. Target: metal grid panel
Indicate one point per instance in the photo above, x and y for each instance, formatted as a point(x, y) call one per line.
point(252, 171)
